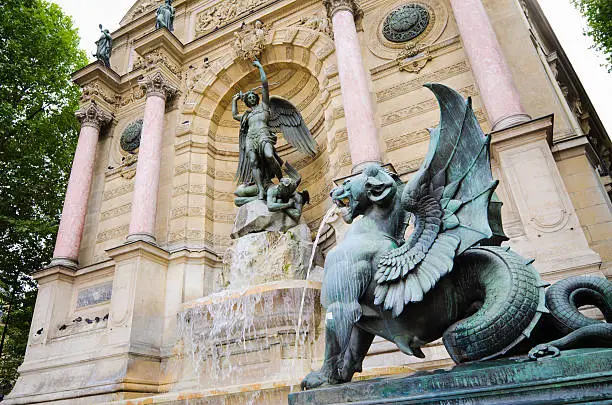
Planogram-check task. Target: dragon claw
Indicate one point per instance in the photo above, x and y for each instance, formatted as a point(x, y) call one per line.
point(544, 351)
point(314, 380)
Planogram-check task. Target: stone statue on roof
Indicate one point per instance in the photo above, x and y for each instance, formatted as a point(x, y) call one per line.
point(165, 16)
point(104, 47)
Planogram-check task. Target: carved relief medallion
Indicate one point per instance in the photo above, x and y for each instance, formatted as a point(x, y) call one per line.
point(130, 138)
point(402, 26)
point(405, 23)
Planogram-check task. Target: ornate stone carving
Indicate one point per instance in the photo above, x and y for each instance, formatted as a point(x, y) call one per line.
point(94, 116)
point(156, 58)
point(223, 14)
point(333, 6)
point(250, 40)
point(413, 58)
point(91, 90)
point(144, 7)
point(194, 74)
point(130, 138)
point(136, 93)
point(317, 23)
point(405, 23)
point(158, 86)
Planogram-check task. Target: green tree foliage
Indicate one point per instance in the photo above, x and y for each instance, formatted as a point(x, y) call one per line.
point(38, 134)
point(598, 14)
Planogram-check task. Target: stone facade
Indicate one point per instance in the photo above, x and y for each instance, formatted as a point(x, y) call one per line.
point(173, 195)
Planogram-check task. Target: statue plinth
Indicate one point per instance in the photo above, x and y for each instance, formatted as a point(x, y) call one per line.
point(578, 376)
point(255, 217)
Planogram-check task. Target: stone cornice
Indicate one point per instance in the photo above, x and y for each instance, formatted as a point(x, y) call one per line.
point(156, 85)
point(93, 116)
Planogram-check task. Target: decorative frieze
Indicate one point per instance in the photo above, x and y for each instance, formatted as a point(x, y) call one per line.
point(93, 116)
point(119, 191)
point(316, 22)
point(115, 212)
point(92, 90)
point(135, 94)
point(157, 86)
point(119, 232)
point(417, 83)
point(223, 13)
point(154, 59)
point(420, 108)
point(401, 141)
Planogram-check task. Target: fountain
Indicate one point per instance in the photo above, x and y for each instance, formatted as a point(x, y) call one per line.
point(255, 337)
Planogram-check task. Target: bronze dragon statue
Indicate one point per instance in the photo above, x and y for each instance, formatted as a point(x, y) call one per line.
point(448, 280)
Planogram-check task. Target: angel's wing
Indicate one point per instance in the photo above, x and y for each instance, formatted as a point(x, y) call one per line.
point(449, 198)
point(285, 118)
point(244, 174)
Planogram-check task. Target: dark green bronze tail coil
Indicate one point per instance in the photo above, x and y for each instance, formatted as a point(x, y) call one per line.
point(511, 303)
point(565, 297)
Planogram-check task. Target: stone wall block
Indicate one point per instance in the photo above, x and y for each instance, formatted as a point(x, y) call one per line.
point(553, 234)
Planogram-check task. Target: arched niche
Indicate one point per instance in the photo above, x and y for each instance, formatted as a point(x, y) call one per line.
point(300, 65)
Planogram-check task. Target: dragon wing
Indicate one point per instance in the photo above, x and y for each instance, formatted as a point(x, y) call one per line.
point(244, 174)
point(293, 174)
point(449, 198)
point(285, 118)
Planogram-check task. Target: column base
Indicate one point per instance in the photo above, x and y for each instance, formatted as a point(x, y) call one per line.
point(144, 237)
point(510, 121)
point(63, 262)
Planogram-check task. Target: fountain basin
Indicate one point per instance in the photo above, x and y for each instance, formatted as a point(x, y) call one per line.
point(234, 337)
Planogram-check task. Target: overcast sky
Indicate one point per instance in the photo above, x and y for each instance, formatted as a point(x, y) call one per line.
point(566, 21)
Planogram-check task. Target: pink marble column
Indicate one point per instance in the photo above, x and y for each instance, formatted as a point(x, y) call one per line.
point(491, 71)
point(77, 195)
point(146, 186)
point(362, 133)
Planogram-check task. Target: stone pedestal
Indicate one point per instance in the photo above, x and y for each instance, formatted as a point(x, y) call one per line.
point(86, 351)
point(268, 256)
point(580, 376)
point(255, 217)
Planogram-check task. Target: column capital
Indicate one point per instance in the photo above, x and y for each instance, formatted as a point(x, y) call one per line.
point(333, 6)
point(157, 85)
point(93, 116)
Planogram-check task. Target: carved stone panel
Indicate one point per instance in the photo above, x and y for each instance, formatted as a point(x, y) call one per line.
point(94, 295)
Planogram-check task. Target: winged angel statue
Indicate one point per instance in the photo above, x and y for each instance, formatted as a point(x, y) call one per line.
point(258, 162)
point(448, 279)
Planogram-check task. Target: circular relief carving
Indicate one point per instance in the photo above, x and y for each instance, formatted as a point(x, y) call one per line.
point(130, 138)
point(405, 23)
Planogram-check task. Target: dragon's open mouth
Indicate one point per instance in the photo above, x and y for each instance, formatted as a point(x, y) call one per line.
point(342, 198)
point(342, 202)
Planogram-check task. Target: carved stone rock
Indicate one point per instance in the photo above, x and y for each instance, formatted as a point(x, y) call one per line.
point(255, 217)
point(268, 256)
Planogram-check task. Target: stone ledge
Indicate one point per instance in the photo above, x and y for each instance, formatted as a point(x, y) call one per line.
point(577, 376)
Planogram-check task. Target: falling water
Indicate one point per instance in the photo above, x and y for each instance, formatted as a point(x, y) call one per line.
point(326, 219)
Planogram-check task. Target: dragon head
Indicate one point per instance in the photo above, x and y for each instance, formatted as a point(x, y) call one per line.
point(373, 186)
